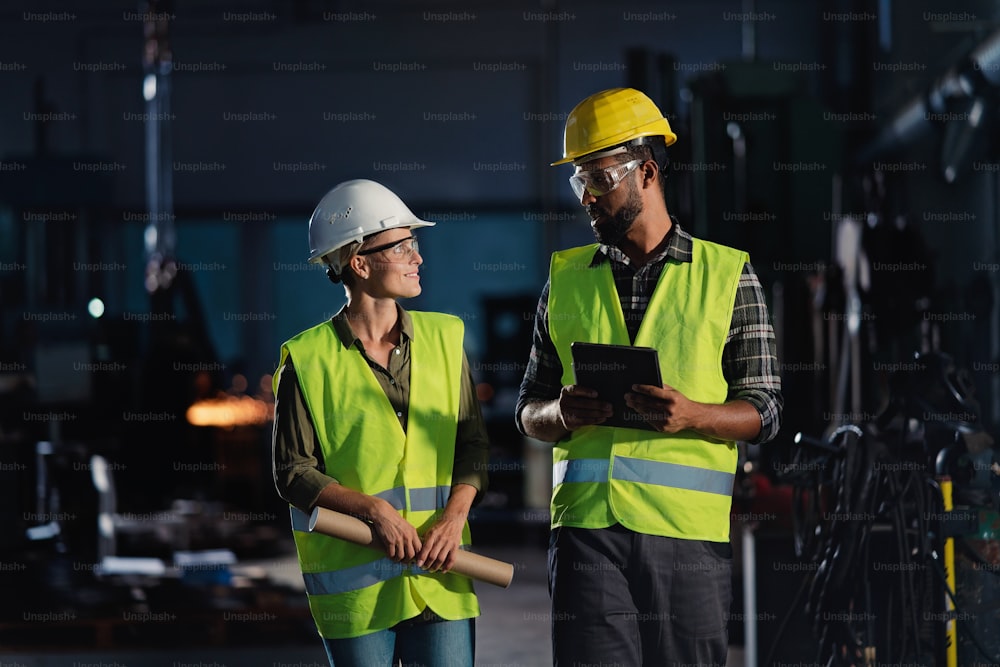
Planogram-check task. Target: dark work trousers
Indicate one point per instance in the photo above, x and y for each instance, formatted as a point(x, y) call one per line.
point(625, 599)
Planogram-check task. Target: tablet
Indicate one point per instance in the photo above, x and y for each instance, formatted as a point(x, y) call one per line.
point(611, 370)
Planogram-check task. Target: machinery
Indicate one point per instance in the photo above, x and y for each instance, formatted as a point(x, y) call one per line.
point(898, 516)
point(118, 503)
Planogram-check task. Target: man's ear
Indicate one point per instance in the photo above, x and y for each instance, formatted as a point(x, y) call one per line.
point(650, 173)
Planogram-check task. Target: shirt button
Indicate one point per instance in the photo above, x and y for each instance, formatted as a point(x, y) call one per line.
point(392, 382)
point(398, 351)
point(399, 414)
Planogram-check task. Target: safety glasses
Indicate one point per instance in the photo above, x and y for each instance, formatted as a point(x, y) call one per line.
point(398, 251)
point(600, 182)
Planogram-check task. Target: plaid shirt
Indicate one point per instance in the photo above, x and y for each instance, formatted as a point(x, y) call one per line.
point(749, 358)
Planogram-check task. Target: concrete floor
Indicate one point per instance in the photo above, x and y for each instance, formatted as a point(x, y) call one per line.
point(513, 630)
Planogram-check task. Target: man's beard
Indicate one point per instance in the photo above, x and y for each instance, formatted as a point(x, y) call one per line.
point(613, 228)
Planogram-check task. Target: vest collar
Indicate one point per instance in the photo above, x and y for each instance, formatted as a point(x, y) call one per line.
point(342, 327)
point(679, 247)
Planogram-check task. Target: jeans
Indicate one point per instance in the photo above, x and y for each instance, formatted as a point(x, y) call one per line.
point(417, 644)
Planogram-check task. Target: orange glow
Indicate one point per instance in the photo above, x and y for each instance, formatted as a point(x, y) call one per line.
point(230, 411)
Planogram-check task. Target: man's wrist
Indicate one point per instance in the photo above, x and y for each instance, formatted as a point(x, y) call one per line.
point(541, 420)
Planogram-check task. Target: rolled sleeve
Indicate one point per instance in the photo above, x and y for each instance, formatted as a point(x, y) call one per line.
point(542, 379)
point(750, 360)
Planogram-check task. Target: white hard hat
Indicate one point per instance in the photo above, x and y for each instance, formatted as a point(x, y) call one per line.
point(353, 210)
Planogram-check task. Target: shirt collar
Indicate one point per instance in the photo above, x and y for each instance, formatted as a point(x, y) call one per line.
point(346, 334)
point(679, 247)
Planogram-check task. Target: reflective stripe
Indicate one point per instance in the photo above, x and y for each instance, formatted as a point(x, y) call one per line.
point(559, 472)
point(429, 498)
point(644, 471)
point(395, 497)
point(580, 470)
point(422, 499)
point(357, 577)
point(673, 475)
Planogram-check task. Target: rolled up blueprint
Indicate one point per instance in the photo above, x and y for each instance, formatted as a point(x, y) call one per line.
point(346, 527)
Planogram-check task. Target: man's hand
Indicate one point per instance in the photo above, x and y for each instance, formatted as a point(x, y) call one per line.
point(669, 411)
point(552, 420)
point(579, 406)
point(664, 408)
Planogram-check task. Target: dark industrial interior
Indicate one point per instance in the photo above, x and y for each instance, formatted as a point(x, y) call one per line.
point(159, 161)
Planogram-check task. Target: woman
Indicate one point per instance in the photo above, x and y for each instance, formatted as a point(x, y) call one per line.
point(376, 416)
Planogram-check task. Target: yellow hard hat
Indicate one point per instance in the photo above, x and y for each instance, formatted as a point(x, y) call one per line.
point(609, 118)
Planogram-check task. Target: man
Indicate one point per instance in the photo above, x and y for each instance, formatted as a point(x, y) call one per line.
point(640, 564)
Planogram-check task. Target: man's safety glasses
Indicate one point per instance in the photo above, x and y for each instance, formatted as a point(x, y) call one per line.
point(398, 250)
point(600, 182)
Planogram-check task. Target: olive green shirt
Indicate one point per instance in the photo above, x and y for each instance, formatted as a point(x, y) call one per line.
point(297, 458)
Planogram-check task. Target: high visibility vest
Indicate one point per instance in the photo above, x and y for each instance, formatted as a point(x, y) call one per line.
point(676, 485)
point(356, 590)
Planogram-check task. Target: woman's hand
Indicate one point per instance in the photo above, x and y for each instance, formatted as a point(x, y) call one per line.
point(443, 539)
point(399, 538)
point(441, 543)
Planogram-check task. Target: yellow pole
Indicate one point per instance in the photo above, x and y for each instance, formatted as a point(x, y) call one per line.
point(951, 629)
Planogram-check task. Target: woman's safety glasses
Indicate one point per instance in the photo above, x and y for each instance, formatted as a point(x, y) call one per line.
point(398, 251)
point(601, 181)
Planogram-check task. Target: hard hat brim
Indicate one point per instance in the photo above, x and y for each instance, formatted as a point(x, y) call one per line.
point(668, 139)
point(317, 257)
